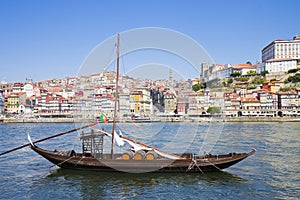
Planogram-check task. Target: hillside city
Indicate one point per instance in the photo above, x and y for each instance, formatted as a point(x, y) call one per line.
point(269, 89)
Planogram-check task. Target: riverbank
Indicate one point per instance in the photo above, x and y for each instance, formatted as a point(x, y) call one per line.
point(193, 120)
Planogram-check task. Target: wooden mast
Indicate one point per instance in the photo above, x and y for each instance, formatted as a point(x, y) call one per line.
point(116, 97)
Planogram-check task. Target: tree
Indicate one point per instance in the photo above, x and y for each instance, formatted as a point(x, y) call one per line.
point(293, 79)
point(235, 74)
point(292, 70)
point(199, 86)
point(249, 63)
point(251, 72)
point(263, 73)
point(258, 80)
point(213, 110)
point(196, 87)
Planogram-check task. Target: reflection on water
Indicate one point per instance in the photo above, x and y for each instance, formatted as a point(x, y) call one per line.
point(131, 185)
point(272, 172)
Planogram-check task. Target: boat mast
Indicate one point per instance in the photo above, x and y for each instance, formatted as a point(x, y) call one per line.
point(116, 97)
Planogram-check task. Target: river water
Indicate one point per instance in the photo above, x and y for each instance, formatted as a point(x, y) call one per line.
point(273, 172)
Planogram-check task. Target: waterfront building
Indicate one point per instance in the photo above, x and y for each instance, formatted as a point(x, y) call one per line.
point(288, 103)
point(170, 102)
point(250, 106)
point(97, 104)
point(268, 103)
point(182, 105)
point(288, 100)
point(14, 100)
point(140, 101)
point(232, 104)
point(1, 102)
point(279, 49)
point(124, 104)
point(82, 108)
point(108, 104)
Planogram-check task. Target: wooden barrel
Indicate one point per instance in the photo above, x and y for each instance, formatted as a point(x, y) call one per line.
point(151, 156)
point(127, 155)
point(139, 155)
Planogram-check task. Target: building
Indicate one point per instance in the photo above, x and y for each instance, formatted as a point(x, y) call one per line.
point(244, 69)
point(140, 101)
point(28, 89)
point(273, 86)
point(280, 65)
point(14, 100)
point(282, 49)
point(250, 106)
point(1, 102)
point(288, 100)
point(124, 104)
point(170, 103)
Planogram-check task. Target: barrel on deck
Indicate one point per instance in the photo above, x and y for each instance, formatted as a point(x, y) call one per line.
point(127, 155)
point(139, 155)
point(151, 155)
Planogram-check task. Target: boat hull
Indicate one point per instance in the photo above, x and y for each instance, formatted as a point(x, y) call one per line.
point(197, 164)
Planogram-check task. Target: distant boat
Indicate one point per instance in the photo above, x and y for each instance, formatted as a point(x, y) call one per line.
point(139, 158)
point(139, 119)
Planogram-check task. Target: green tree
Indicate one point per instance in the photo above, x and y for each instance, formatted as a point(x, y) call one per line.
point(292, 70)
point(196, 87)
point(293, 79)
point(199, 86)
point(213, 110)
point(235, 74)
point(249, 63)
point(258, 80)
point(263, 73)
point(230, 81)
point(251, 72)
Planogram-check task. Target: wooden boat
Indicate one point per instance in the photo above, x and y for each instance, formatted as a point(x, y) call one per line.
point(139, 158)
point(149, 161)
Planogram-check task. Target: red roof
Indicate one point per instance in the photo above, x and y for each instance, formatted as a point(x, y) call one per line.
point(242, 66)
point(250, 99)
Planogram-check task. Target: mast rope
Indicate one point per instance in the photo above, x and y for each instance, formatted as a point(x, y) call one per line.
point(192, 165)
point(214, 165)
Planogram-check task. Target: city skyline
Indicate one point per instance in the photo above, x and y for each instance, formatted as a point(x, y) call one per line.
point(51, 39)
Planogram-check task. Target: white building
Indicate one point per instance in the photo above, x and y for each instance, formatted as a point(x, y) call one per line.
point(227, 71)
point(282, 49)
point(280, 65)
point(260, 67)
point(28, 89)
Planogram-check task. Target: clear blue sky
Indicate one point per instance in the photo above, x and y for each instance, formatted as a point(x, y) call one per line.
point(47, 39)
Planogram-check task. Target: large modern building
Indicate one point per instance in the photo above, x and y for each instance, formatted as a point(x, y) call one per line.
point(279, 49)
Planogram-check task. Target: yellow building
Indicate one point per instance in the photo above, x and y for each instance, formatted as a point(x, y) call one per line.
point(13, 101)
point(140, 102)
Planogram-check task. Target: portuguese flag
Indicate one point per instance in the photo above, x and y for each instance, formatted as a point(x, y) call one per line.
point(103, 118)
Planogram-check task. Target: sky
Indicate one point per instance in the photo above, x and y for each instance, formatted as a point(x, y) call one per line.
point(51, 39)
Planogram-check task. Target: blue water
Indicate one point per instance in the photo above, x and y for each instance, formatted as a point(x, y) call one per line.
point(273, 172)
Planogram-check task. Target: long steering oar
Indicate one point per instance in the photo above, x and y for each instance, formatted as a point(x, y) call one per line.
point(47, 138)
